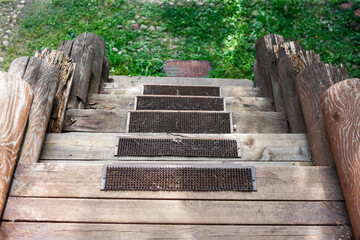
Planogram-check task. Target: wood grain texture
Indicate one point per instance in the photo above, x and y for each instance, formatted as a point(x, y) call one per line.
point(43, 78)
point(90, 120)
point(83, 56)
point(340, 106)
point(66, 68)
point(267, 68)
point(105, 70)
point(78, 231)
point(311, 83)
point(82, 180)
point(18, 66)
point(66, 47)
point(100, 146)
point(291, 60)
point(15, 101)
point(175, 211)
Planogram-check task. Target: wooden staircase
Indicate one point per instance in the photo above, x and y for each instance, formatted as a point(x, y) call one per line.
point(60, 197)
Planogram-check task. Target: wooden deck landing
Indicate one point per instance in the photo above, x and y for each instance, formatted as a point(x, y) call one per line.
point(60, 197)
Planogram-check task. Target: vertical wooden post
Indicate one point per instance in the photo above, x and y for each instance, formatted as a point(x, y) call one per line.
point(265, 57)
point(290, 65)
point(15, 101)
point(43, 78)
point(341, 109)
point(311, 83)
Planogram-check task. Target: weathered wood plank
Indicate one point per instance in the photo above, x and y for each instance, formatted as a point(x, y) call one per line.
point(100, 146)
point(15, 101)
point(311, 83)
point(90, 120)
point(66, 68)
point(18, 66)
point(133, 89)
point(44, 79)
point(175, 211)
point(82, 180)
point(233, 104)
point(66, 47)
point(83, 56)
point(105, 70)
point(340, 106)
point(78, 231)
point(267, 68)
point(291, 60)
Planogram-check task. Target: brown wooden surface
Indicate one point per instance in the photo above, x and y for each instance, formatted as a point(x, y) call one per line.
point(79, 231)
point(91, 120)
point(66, 47)
point(105, 70)
point(15, 101)
point(83, 56)
point(340, 106)
point(254, 147)
point(291, 60)
point(267, 68)
point(18, 66)
point(175, 211)
point(66, 68)
point(82, 180)
point(43, 78)
point(311, 83)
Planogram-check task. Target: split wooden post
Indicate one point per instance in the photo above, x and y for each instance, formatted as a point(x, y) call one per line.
point(311, 83)
point(88, 52)
point(341, 109)
point(267, 69)
point(290, 65)
point(43, 78)
point(66, 68)
point(15, 100)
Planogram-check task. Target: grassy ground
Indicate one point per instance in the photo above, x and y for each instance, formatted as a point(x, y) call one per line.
point(223, 32)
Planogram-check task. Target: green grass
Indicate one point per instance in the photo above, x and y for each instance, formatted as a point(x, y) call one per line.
point(223, 32)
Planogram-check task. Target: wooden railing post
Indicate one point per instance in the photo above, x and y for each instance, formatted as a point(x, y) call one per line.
point(15, 101)
point(341, 109)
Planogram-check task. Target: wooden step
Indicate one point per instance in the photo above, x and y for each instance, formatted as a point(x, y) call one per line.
point(100, 146)
point(233, 104)
point(136, 89)
point(179, 122)
point(82, 180)
point(175, 211)
point(81, 231)
point(184, 81)
point(90, 120)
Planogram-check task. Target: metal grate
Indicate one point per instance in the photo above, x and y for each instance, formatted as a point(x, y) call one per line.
point(183, 147)
point(149, 177)
point(179, 122)
point(181, 90)
point(180, 103)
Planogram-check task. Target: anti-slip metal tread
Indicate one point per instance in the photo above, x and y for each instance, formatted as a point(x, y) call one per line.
point(180, 90)
point(155, 177)
point(183, 147)
point(179, 122)
point(152, 102)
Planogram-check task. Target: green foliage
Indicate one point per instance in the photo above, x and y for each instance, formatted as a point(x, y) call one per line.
point(221, 31)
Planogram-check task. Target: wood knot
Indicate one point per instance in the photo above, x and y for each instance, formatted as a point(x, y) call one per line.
point(336, 116)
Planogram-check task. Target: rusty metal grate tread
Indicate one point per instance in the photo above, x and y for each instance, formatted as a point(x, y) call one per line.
point(179, 122)
point(179, 90)
point(179, 103)
point(151, 177)
point(182, 147)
